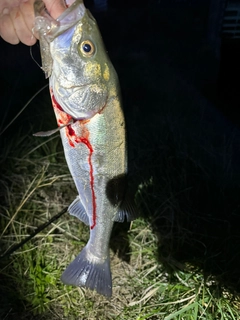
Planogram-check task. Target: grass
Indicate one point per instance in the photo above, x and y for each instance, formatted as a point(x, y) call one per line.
point(149, 280)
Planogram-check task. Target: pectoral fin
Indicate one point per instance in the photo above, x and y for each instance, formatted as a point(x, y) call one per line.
point(76, 209)
point(118, 194)
point(51, 132)
point(127, 211)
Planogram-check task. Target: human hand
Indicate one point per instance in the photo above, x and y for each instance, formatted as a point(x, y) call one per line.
point(17, 19)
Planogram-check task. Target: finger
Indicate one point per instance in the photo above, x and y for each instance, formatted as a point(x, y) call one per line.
point(27, 12)
point(7, 30)
point(69, 2)
point(8, 4)
point(22, 31)
point(55, 7)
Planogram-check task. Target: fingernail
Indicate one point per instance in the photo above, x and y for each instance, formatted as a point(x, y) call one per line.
point(5, 11)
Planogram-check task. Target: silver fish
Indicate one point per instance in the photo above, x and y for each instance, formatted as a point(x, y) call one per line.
point(86, 99)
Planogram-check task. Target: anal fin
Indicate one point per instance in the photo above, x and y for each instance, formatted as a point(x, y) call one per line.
point(76, 209)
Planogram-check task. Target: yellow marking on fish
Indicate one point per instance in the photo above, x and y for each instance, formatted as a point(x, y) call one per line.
point(93, 69)
point(106, 73)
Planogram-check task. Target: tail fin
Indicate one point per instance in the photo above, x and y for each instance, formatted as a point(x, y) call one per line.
point(84, 273)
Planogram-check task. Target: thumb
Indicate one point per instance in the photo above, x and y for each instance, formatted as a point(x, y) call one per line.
point(55, 7)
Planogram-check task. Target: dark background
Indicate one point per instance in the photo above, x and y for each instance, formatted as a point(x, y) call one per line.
point(173, 32)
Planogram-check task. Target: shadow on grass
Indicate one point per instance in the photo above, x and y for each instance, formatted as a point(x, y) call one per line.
point(196, 222)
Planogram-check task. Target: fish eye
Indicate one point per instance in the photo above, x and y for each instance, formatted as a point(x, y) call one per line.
point(87, 48)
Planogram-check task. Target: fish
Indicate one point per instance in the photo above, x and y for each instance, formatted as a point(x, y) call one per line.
point(86, 99)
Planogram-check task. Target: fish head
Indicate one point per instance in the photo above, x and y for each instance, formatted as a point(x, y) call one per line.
point(81, 72)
